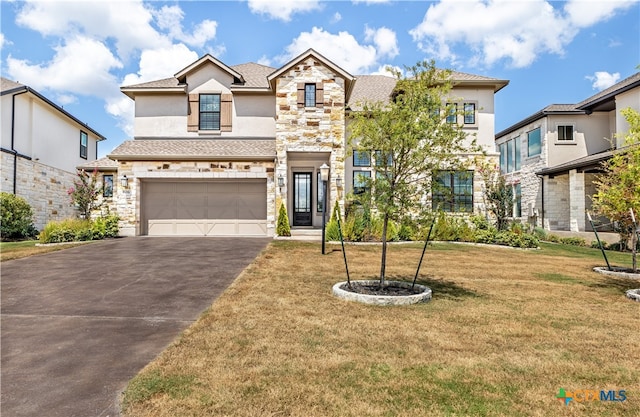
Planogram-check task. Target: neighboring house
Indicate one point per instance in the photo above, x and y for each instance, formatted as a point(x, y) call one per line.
point(42, 144)
point(218, 148)
point(553, 157)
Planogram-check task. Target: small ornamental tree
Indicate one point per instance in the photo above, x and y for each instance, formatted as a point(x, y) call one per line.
point(498, 196)
point(84, 193)
point(412, 137)
point(283, 228)
point(618, 189)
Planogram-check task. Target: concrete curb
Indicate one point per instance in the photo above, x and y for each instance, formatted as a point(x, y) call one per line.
point(634, 294)
point(616, 272)
point(384, 300)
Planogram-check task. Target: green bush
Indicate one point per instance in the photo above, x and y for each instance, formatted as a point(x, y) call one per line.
point(375, 230)
point(407, 231)
point(449, 228)
point(332, 232)
point(595, 245)
point(553, 238)
point(540, 233)
point(573, 241)
point(283, 228)
point(16, 218)
point(71, 230)
point(480, 222)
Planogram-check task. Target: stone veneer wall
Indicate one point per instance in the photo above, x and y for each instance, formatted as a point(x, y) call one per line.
point(311, 129)
point(127, 201)
point(44, 187)
point(556, 201)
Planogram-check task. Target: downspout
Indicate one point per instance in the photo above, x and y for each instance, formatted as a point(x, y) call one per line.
point(542, 202)
point(15, 153)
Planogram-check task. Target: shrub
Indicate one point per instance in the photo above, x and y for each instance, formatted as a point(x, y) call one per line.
point(573, 241)
point(71, 230)
point(449, 228)
point(375, 230)
point(480, 222)
point(553, 238)
point(540, 233)
point(16, 218)
point(407, 231)
point(595, 245)
point(332, 232)
point(283, 228)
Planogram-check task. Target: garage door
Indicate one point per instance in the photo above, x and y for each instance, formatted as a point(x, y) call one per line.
point(204, 208)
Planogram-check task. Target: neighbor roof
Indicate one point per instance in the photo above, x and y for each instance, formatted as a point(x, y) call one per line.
point(608, 94)
point(549, 110)
point(102, 164)
point(205, 149)
point(11, 87)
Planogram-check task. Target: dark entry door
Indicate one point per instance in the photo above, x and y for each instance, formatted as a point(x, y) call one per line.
point(302, 198)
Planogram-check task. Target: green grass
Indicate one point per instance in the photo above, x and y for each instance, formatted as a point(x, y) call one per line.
point(23, 249)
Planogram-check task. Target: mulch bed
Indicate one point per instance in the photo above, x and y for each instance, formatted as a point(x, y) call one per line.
point(392, 290)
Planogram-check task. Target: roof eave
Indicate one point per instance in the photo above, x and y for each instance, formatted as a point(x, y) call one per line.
point(607, 97)
point(180, 75)
point(176, 157)
point(536, 116)
point(132, 91)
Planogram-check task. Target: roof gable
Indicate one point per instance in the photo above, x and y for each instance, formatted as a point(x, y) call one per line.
point(208, 59)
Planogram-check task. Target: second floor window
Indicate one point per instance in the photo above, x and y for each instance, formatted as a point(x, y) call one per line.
point(361, 159)
point(565, 133)
point(452, 114)
point(309, 95)
point(209, 112)
point(84, 144)
point(469, 113)
point(534, 142)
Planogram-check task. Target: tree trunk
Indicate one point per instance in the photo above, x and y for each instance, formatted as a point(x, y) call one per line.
point(383, 264)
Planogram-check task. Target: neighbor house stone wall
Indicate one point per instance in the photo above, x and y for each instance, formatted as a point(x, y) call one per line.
point(43, 186)
point(557, 203)
point(127, 200)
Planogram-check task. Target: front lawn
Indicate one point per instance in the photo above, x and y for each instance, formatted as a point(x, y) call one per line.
point(505, 331)
point(23, 249)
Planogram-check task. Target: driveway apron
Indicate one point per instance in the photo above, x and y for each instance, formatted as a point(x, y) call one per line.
point(79, 323)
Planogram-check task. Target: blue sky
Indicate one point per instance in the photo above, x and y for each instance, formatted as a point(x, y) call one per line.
point(78, 53)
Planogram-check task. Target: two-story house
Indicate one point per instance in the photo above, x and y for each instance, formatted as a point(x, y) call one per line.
point(552, 157)
point(218, 148)
point(42, 144)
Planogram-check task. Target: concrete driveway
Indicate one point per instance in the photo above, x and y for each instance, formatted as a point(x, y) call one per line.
point(79, 323)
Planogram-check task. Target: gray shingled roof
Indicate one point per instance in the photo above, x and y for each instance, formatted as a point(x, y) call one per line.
point(164, 83)
point(371, 88)
point(6, 84)
point(102, 164)
point(614, 89)
point(195, 149)
point(255, 75)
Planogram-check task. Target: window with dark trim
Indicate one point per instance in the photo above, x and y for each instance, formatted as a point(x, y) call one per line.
point(565, 133)
point(469, 113)
point(309, 95)
point(382, 161)
point(517, 200)
point(452, 115)
point(84, 144)
point(361, 158)
point(510, 159)
point(209, 112)
point(361, 181)
point(534, 142)
point(107, 185)
point(453, 191)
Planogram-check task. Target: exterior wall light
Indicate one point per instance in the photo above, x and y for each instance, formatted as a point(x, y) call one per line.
point(124, 181)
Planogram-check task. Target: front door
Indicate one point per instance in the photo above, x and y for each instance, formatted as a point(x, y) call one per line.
point(302, 198)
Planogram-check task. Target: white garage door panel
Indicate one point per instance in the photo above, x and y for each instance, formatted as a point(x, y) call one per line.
point(212, 208)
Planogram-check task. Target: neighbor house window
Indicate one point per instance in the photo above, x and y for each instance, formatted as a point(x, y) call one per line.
point(517, 200)
point(209, 112)
point(107, 185)
point(469, 113)
point(84, 144)
point(360, 181)
point(309, 95)
point(510, 159)
point(361, 158)
point(452, 115)
point(534, 143)
point(453, 191)
point(565, 132)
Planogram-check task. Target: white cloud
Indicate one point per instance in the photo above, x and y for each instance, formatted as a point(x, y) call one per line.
point(4, 41)
point(344, 49)
point(585, 13)
point(602, 79)
point(516, 31)
point(336, 17)
point(81, 66)
point(170, 18)
point(264, 60)
point(385, 40)
point(370, 1)
point(386, 70)
point(282, 9)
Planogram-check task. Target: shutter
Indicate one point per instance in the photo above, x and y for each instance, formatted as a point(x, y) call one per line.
point(319, 95)
point(226, 112)
point(193, 112)
point(300, 94)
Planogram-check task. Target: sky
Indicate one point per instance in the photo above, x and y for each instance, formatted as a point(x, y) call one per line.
point(79, 53)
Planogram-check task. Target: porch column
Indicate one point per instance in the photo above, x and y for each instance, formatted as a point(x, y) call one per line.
point(576, 201)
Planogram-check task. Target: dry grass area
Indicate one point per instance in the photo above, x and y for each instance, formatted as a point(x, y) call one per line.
point(505, 331)
point(17, 250)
